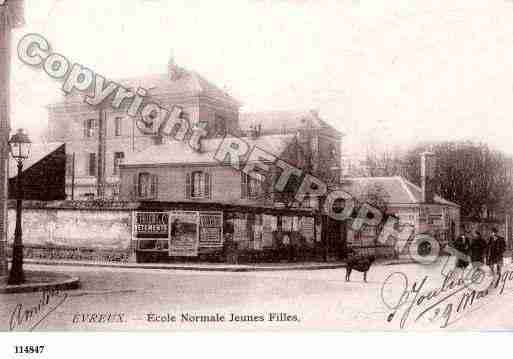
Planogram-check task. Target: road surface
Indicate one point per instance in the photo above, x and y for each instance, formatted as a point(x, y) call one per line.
point(147, 299)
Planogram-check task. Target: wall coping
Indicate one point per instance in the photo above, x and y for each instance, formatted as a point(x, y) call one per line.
point(112, 205)
point(105, 205)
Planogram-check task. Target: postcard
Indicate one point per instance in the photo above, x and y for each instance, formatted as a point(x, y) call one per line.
point(254, 166)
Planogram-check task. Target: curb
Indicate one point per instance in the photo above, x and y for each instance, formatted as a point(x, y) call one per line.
point(190, 267)
point(65, 284)
point(405, 261)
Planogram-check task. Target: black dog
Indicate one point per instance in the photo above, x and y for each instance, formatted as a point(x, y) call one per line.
point(360, 264)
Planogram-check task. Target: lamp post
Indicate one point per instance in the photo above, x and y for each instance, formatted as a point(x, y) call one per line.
point(19, 145)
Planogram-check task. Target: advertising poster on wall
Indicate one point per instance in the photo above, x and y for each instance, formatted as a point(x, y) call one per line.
point(151, 225)
point(211, 230)
point(184, 233)
point(308, 228)
point(240, 228)
point(269, 224)
point(286, 223)
point(257, 232)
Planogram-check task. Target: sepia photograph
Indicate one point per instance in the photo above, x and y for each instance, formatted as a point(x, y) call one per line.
point(255, 166)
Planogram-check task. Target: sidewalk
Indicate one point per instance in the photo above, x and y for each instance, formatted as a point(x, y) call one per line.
point(221, 267)
point(36, 281)
point(400, 260)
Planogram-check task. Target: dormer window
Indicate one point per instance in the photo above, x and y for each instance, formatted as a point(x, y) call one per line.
point(219, 128)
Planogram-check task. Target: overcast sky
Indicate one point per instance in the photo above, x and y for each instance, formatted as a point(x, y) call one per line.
point(395, 71)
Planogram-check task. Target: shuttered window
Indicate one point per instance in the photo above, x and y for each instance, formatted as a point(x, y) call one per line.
point(89, 127)
point(147, 185)
point(117, 126)
point(254, 187)
point(118, 157)
point(244, 185)
point(198, 184)
point(188, 187)
point(250, 187)
point(208, 185)
point(135, 186)
point(154, 186)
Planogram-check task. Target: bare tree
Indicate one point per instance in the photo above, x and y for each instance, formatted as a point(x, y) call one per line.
point(473, 175)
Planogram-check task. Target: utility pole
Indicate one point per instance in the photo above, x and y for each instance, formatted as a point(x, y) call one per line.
point(11, 15)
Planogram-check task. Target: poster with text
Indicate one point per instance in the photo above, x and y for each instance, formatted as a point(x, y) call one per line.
point(211, 230)
point(151, 225)
point(184, 233)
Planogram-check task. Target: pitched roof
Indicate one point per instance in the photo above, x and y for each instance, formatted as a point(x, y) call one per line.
point(180, 153)
point(398, 189)
point(191, 82)
point(38, 151)
point(282, 120)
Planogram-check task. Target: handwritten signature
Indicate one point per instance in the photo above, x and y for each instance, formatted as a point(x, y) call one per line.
point(29, 317)
point(454, 296)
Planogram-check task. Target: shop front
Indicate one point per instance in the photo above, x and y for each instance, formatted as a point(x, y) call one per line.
point(177, 232)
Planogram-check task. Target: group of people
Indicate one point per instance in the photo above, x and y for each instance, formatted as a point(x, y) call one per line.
point(481, 251)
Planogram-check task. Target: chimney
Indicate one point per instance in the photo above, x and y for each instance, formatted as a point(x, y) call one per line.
point(175, 72)
point(427, 176)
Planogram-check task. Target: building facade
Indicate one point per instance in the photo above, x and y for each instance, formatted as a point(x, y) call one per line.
point(99, 139)
point(320, 143)
point(174, 171)
point(191, 200)
point(416, 206)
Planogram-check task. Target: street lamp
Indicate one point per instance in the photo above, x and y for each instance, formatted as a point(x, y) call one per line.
point(19, 144)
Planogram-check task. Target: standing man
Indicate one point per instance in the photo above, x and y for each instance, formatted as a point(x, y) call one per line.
point(496, 248)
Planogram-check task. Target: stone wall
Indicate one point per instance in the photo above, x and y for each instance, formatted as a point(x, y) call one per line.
point(71, 232)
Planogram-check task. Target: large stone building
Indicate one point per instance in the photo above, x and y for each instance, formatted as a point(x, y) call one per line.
point(98, 139)
point(101, 137)
point(320, 142)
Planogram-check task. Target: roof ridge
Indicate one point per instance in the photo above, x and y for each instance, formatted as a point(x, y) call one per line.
point(436, 195)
